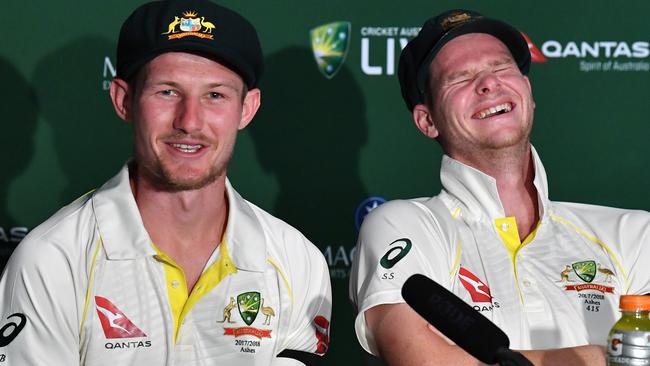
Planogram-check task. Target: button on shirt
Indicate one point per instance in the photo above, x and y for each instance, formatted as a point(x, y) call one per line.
point(95, 290)
point(559, 287)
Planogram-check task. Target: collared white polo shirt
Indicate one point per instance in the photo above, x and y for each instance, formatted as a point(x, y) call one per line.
point(89, 287)
point(559, 287)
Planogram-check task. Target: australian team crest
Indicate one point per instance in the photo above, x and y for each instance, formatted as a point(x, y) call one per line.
point(248, 304)
point(585, 270)
point(329, 43)
point(190, 24)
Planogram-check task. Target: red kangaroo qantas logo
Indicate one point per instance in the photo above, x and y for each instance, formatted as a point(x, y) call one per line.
point(535, 54)
point(322, 334)
point(476, 288)
point(114, 322)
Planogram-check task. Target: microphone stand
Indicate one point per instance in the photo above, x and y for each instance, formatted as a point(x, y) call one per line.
point(508, 357)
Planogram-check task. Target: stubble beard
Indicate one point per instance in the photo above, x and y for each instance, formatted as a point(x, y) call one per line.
point(164, 179)
point(489, 147)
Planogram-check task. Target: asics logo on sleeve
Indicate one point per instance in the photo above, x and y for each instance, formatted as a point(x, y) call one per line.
point(114, 322)
point(396, 253)
point(10, 330)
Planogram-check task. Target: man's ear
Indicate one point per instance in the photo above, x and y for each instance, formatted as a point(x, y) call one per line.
point(424, 121)
point(121, 98)
point(251, 104)
point(530, 90)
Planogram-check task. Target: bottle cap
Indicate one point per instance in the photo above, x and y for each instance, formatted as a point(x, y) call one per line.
point(635, 302)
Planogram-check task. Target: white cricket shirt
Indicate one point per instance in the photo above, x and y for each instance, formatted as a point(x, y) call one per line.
point(89, 287)
point(559, 287)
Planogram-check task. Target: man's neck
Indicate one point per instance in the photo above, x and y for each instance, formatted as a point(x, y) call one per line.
point(514, 172)
point(186, 225)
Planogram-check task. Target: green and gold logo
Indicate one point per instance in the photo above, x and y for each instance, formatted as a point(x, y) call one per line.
point(585, 270)
point(248, 304)
point(329, 43)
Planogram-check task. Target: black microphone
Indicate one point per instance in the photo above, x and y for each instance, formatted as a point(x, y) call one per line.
point(454, 318)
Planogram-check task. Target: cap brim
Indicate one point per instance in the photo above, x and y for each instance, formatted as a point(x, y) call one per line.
point(511, 37)
point(222, 55)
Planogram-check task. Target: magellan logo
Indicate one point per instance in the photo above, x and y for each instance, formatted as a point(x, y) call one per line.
point(329, 43)
point(114, 322)
point(190, 24)
point(479, 291)
point(339, 258)
point(108, 73)
point(365, 207)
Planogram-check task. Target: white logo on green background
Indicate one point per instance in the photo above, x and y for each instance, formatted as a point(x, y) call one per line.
point(329, 42)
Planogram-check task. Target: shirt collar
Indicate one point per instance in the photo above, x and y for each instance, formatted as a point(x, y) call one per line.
point(118, 220)
point(475, 192)
point(244, 233)
point(124, 237)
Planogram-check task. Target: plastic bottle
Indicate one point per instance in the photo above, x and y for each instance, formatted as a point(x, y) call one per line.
point(629, 339)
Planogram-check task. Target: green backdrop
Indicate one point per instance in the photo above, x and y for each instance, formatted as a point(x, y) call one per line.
point(320, 146)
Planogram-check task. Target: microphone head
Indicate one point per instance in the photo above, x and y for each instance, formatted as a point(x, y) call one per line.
point(454, 318)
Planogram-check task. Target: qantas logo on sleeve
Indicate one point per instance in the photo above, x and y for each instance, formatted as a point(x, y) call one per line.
point(114, 322)
point(476, 288)
point(322, 334)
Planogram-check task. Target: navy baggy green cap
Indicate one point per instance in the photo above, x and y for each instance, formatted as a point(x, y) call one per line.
point(194, 26)
point(413, 70)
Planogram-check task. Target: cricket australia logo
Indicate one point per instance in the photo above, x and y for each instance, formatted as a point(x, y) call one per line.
point(329, 43)
point(249, 304)
point(585, 270)
point(584, 273)
point(190, 24)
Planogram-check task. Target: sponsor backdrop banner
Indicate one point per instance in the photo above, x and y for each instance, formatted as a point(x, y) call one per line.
point(333, 138)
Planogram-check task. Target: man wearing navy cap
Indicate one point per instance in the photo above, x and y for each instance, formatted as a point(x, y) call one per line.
point(547, 273)
point(166, 264)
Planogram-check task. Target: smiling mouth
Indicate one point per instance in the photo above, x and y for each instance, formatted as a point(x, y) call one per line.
point(187, 148)
point(494, 111)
